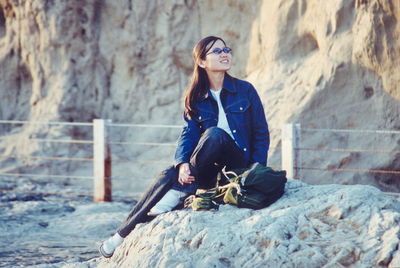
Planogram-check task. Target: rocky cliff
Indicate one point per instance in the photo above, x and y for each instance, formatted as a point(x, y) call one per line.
point(329, 64)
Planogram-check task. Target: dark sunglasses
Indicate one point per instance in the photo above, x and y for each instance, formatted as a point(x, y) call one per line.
point(218, 50)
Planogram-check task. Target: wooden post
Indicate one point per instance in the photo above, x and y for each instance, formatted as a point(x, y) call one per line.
point(290, 152)
point(101, 161)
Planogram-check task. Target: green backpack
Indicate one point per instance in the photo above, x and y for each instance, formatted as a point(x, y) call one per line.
point(256, 187)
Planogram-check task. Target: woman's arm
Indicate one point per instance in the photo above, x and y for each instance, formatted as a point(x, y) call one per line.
point(187, 141)
point(260, 132)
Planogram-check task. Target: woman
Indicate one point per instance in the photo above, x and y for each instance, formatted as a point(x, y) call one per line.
point(225, 126)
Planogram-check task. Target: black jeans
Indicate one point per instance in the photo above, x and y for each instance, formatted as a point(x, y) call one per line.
point(215, 150)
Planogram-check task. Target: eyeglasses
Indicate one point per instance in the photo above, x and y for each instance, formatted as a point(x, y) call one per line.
point(218, 50)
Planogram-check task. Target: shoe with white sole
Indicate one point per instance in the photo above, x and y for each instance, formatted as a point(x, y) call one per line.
point(170, 200)
point(108, 247)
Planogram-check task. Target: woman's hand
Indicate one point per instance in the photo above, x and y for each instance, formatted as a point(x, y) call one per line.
point(184, 174)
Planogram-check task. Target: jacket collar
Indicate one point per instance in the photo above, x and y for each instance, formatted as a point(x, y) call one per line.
point(227, 85)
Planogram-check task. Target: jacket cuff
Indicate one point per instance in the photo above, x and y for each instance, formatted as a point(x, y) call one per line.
point(180, 161)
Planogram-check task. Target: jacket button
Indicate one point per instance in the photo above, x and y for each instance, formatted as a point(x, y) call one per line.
point(245, 149)
point(199, 117)
point(241, 108)
point(234, 131)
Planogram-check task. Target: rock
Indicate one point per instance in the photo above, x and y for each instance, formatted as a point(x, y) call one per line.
point(396, 259)
point(331, 65)
point(310, 226)
point(26, 197)
point(43, 224)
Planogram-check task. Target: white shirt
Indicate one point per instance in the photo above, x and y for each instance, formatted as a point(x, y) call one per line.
point(222, 121)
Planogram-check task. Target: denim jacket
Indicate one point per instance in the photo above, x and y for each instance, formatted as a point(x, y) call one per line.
point(246, 119)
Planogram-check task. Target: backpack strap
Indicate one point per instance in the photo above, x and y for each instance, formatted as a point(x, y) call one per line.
point(235, 185)
point(227, 173)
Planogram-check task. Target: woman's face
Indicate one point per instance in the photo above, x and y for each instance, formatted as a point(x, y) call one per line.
point(217, 62)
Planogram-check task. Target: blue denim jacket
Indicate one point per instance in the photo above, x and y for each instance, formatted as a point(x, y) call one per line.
point(246, 119)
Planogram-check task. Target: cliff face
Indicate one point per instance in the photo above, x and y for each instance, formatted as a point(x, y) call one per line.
point(332, 64)
point(50, 61)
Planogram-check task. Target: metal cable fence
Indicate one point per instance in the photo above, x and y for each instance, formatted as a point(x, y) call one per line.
point(124, 145)
point(343, 150)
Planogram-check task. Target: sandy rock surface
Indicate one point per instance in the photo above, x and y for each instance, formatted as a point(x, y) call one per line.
point(310, 226)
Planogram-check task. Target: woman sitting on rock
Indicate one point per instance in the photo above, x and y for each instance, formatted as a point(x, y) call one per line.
point(225, 125)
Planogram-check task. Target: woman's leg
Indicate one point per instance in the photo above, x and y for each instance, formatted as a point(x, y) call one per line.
point(138, 214)
point(215, 150)
point(159, 188)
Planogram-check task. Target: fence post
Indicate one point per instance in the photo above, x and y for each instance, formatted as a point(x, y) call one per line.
point(101, 161)
point(290, 154)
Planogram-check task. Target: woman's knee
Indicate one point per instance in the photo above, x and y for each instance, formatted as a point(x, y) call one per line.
point(167, 176)
point(215, 132)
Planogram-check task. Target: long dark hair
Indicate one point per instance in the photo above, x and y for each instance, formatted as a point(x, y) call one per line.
point(199, 83)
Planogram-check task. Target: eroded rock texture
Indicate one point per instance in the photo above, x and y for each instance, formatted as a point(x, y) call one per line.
point(310, 226)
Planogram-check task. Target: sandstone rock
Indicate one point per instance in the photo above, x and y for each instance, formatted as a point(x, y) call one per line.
point(331, 65)
point(310, 226)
